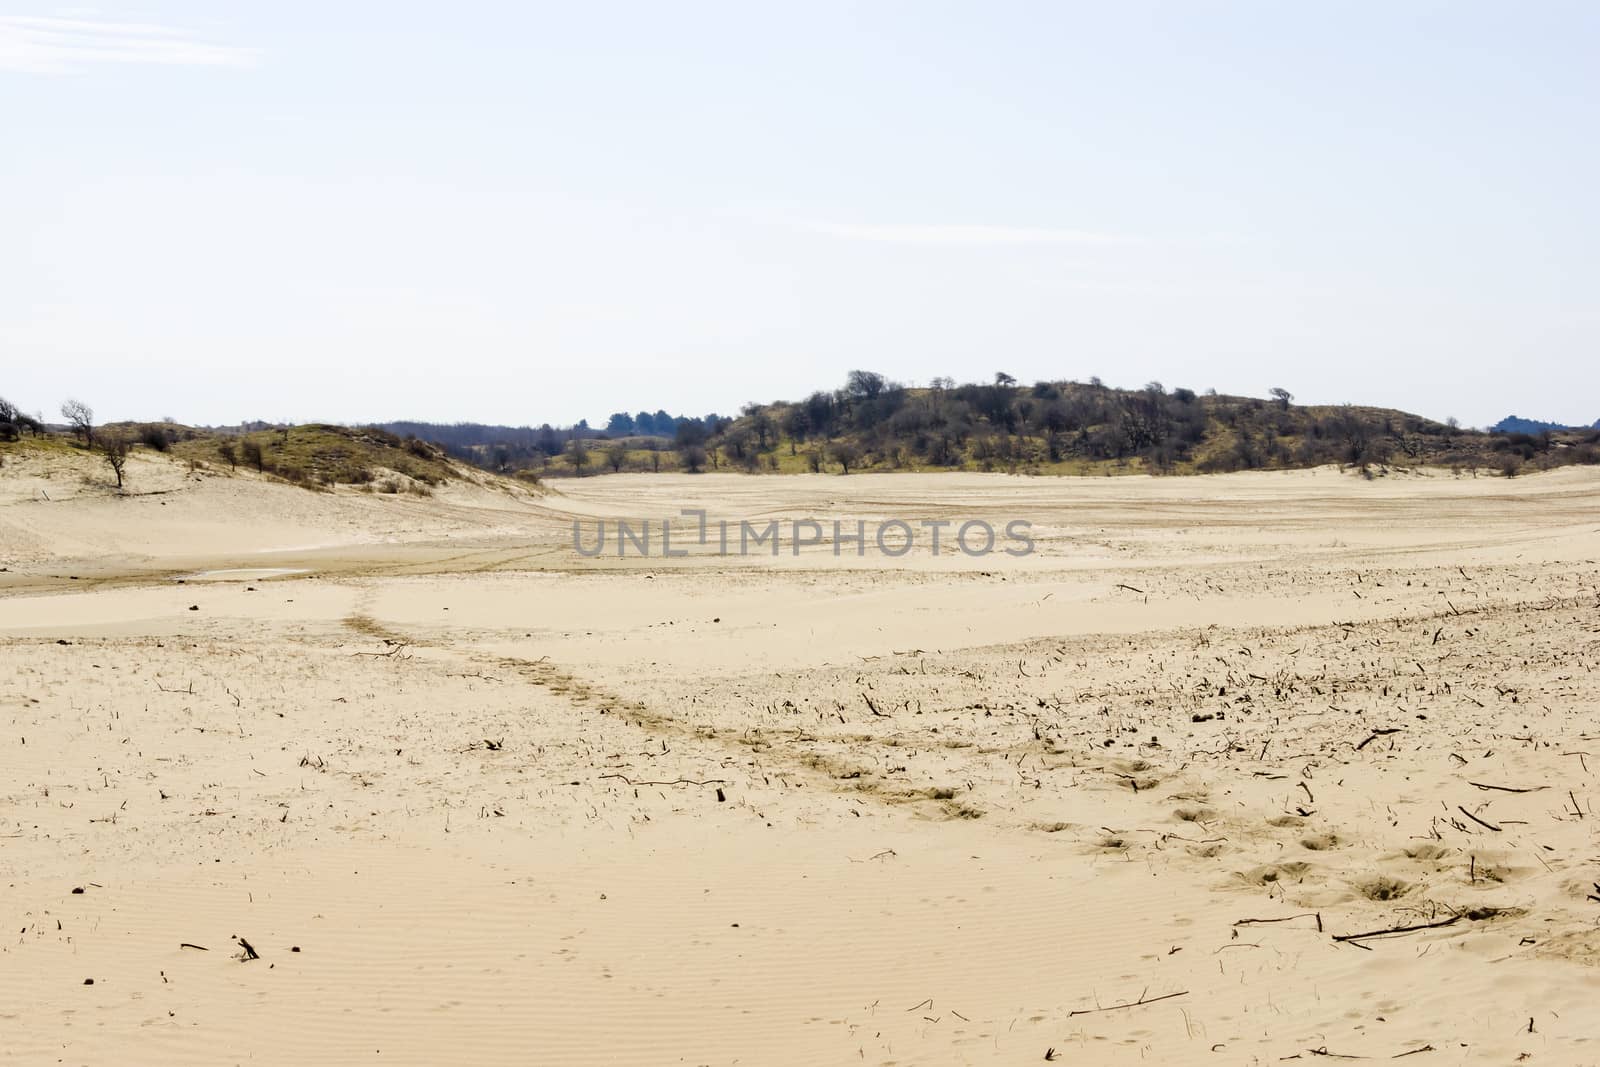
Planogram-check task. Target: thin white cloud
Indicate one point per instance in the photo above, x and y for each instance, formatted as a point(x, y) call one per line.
point(970, 236)
point(49, 45)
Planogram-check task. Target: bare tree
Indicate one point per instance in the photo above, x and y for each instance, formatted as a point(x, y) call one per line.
point(846, 455)
point(115, 447)
point(229, 455)
point(80, 417)
point(616, 456)
point(1281, 395)
point(578, 455)
point(865, 383)
point(761, 424)
point(251, 451)
point(692, 458)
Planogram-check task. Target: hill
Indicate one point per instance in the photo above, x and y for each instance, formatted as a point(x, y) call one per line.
point(1058, 427)
point(872, 423)
point(315, 456)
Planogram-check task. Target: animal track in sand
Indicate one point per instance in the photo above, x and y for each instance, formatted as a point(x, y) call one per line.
point(1382, 887)
point(1276, 873)
point(1427, 851)
point(1199, 815)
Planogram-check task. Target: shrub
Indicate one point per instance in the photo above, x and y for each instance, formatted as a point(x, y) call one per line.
point(251, 451)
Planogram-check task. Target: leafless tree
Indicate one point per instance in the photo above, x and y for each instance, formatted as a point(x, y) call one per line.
point(616, 456)
point(578, 455)
point(865, 383)
point(846, 455)
point(80, 417)
point(115, 448)
point(692, 458)
point(18, 420)
point(1281, 395)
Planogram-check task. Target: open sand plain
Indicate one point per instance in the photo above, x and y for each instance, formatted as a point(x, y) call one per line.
point(300, 777)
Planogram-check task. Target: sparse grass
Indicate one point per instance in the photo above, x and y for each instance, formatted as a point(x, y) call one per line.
point(320, 456)
point(47, 445)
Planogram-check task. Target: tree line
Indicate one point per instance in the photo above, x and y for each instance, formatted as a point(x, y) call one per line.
point(874, 422)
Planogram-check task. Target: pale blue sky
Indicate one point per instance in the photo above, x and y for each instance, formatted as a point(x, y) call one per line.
point(543, 212)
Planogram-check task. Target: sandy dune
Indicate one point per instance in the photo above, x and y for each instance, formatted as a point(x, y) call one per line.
point(471, 797)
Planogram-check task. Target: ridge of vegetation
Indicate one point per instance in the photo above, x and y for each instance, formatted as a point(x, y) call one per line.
point(314, 455)
point(1050, 427)
point(870, 423)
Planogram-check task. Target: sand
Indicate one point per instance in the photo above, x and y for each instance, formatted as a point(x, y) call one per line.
point(471, 797)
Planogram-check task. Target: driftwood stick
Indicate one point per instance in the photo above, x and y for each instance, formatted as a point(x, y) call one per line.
point(1398, 929)
point(1382, 731)
point(1130, 1004)
point(1317, 915)
point(675, 781)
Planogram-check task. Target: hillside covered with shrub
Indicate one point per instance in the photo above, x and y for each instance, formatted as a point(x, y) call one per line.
point(1049, 427)
point(869, 423)
point(314, 456)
